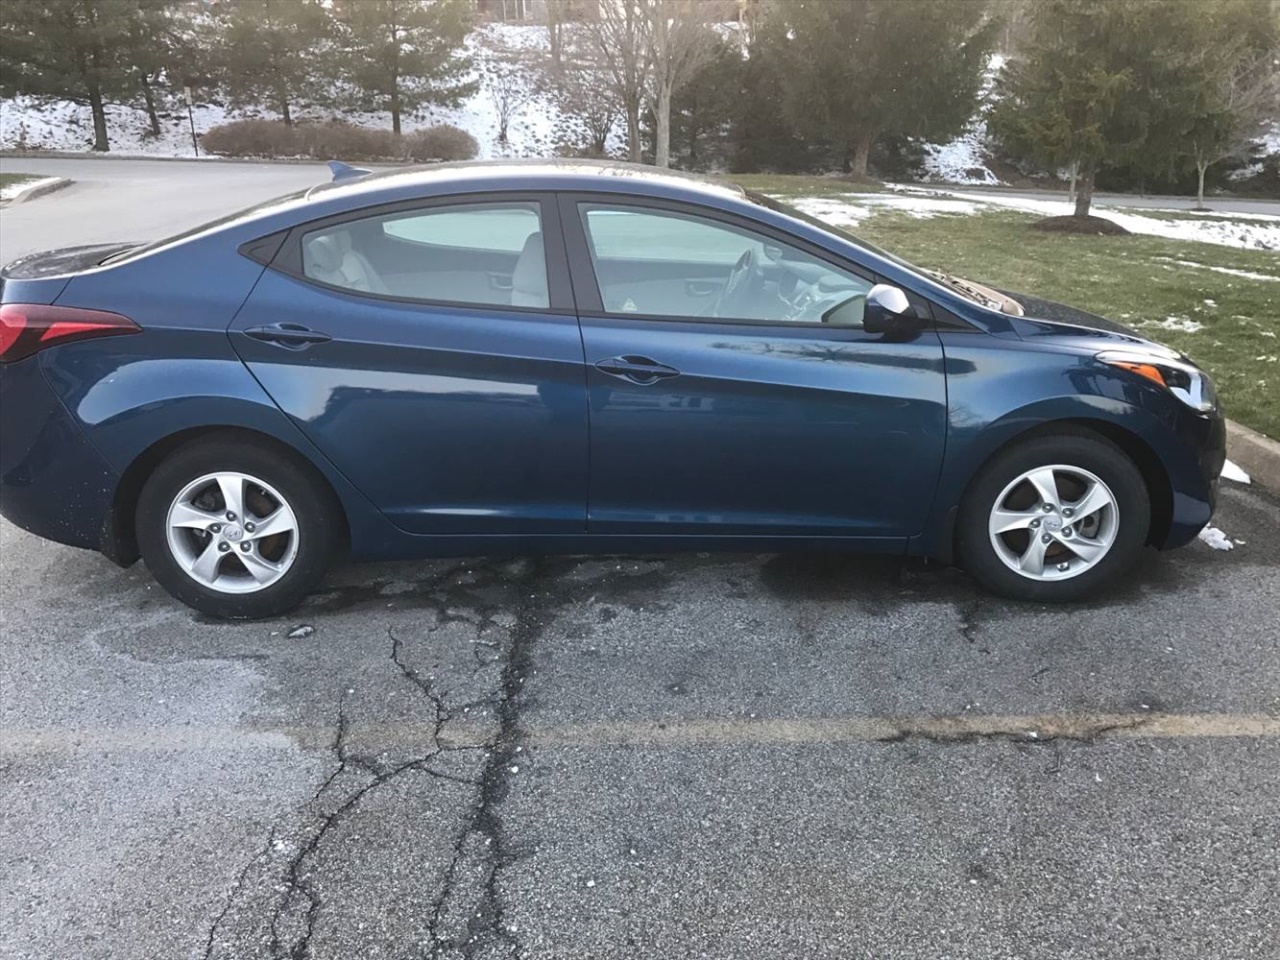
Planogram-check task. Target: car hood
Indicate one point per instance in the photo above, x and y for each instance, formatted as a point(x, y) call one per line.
point(1047, 320)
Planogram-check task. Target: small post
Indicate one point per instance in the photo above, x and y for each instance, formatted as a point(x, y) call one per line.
point(186, 92)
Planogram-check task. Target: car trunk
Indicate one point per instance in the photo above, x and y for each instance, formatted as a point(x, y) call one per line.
point(41, 277)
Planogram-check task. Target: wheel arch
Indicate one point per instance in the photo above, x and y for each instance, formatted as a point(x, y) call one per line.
point(119, 541)
point(1154, 474)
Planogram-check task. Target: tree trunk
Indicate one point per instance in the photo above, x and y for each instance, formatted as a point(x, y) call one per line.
point(633, 133)
point(395, 106)
point(1074, 173)
point(1200, 171)
point(1084, 194)
point(285, 115)
point(148, 97)
point(100, 142)
point(861, 151)
point(662, 111)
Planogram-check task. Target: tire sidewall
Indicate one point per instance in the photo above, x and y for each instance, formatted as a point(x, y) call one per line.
point(314, 512)
point(1095, 454)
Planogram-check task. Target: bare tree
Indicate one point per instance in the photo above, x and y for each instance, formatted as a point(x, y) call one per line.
point(681, 42)
point(506, 79)
point(616, 44)
point(1238, 96)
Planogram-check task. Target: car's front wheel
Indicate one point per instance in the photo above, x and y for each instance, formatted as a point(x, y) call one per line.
point(236, 528)
point(1054, 517)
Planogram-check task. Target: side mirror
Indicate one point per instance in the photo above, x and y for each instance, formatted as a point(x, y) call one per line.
point(888, 311)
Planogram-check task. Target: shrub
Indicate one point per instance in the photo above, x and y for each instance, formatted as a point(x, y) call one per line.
point(331, 140)
point(442, 142)
point(252, 138)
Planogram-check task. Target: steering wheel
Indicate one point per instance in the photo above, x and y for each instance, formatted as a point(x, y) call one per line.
point(738, 283)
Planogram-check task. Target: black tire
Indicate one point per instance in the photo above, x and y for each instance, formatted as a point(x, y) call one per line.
point(313, 503)
point(1072, 448)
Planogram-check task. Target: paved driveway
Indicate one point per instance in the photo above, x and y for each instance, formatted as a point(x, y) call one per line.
point(667, 757)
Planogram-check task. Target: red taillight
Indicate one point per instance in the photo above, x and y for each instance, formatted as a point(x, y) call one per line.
point(28, 327)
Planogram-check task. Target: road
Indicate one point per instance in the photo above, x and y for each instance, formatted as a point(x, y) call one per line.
point(630, 757)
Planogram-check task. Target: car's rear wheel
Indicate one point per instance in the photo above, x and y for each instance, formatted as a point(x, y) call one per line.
point(1054, 517)
point(236, 528)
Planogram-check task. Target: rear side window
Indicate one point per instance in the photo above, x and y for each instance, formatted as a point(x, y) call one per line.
point(484, 254)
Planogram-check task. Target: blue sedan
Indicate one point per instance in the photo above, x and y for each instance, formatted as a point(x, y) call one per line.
point(574, 357)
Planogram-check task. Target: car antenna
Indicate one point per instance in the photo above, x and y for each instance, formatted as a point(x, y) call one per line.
point(343, 171)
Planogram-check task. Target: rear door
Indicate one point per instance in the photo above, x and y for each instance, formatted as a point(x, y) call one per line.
point(432, 352)
point(732, 389)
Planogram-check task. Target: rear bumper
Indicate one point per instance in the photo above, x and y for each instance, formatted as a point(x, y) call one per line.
point(52, 482)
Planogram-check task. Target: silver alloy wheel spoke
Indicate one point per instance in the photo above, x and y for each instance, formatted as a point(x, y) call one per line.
point(1032, 559)
point(282, 521)
point(1094, 499)
point(232, 487)
point(1046, 485)
point(1090, 551)
point(190, 516)
point(1003, 521)
point(205, 566)
point(262, 570)
point(1040, 536)
point(252, 515)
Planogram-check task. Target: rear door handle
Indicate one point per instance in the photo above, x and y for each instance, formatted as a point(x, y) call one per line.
point(641, 370)
point(294, 336)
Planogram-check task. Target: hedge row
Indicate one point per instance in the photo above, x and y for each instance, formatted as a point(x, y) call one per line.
point(336, 140)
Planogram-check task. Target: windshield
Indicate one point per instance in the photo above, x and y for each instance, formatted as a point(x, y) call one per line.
point(246, 213)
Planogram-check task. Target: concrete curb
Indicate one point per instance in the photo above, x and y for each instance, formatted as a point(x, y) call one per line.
point(38, 189)
point(1257, 455)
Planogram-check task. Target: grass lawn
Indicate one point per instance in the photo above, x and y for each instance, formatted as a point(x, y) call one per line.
point(1149, 283)
point(10, 179)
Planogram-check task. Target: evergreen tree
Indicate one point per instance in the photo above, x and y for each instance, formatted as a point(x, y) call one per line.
point(855, 71)
point(71, 49)
point(400, 55)
point(271, 52)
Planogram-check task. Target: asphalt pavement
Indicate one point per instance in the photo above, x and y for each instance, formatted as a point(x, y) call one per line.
point(665, 757)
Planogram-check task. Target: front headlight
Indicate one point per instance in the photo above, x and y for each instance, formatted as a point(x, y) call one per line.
point(1184, 380)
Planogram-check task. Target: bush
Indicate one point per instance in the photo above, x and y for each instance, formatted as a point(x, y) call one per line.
point(442, 142)
point(251, 138)
point(332, 140)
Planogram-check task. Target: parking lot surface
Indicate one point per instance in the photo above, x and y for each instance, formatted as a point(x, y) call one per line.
point(692, 756)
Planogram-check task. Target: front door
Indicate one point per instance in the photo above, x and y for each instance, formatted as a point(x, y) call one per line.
point(432, 353)
point(732, 389)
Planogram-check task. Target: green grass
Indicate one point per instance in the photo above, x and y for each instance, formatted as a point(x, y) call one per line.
point(1132, 279)
point(784, 186)
point(9, 179)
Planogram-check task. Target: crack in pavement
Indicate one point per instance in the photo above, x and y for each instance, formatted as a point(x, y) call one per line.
point(236, 887)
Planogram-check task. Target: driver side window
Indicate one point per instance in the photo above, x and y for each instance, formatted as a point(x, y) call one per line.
point(658, 263)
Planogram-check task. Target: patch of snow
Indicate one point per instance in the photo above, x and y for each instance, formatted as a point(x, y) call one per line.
point(1232, 471)
point(13, 189)
point(1229, 271)
point(1263, 235)
point(1177, 324)
point(964, 159)
point(1216, 538)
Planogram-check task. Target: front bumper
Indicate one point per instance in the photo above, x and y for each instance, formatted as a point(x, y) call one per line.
point(52, 482)
point(1193, 469)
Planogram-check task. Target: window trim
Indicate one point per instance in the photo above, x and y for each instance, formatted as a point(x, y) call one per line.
point(586, 285)
point(288, 258)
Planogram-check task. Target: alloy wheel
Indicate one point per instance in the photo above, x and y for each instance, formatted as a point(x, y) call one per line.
point(1054, 522)
point(232, 532)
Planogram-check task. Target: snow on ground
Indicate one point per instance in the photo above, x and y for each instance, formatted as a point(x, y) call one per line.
point(13, 189)
point(1216, 538)
point(1229, 271)
point(1232, 471)
point(1176, 324)
point(1261, 232)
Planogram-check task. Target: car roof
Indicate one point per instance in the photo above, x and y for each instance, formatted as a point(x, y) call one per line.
point(473, 176)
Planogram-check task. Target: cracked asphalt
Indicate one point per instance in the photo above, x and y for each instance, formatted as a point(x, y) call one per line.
point(630, 757)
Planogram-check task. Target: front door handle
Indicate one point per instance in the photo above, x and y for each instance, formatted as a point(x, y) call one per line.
point(639, 370)
point(293, 336)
